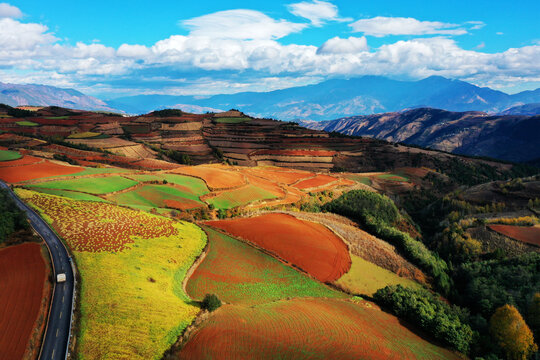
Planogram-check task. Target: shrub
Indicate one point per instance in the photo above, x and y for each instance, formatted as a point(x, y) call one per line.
point(211, 302)
point(512, 333)
point(423, 309)
point(11, 218)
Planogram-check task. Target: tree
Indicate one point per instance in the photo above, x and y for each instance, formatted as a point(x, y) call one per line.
point(211, 302)
point(512, 333)
point(534, 314)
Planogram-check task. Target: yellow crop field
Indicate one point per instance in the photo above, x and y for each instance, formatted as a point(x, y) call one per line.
point(132, 302)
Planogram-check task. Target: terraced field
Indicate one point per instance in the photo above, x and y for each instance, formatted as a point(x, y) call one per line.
point(241, 274)
point(100, 185)
point(310, 246)
point(161, 196)
point(35, 169)
point(74, 195)
point(132, 265)
point(23, 277)
point(215, 177)
point(317, 181)
point(307, 329)
point(240, 197)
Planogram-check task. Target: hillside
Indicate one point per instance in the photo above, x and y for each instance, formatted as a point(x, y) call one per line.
point(527, 109)
point(42, 95)
point(344, 97)
point(505, 137)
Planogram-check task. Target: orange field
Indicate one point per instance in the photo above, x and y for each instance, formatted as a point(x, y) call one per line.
point(295, 152)
point(21, 289)
point(95, 226)
point(307, 245)
point(215, 178)
point(35, 171)
point(307, 329)
point(527, 234)
point(280, 175)
point(317, 181)
point(25, 160)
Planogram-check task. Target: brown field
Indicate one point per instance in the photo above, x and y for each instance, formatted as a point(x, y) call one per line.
point(280, 175)
point(317, 181)
point(307, 329)
point(35, 171)
point(307, 245)
point(527, 234)
point(23, 277)
point(25, 160)
point(214, 177)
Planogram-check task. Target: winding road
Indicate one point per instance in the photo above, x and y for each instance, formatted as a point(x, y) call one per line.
point(56, 340)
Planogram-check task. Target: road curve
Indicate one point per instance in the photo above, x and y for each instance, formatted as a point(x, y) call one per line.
point(56, 340)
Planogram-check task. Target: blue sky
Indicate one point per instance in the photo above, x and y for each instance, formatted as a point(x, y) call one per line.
point(114, 48)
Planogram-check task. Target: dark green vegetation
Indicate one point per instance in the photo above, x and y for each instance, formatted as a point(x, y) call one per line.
point(167, 112)
point(211, 302)
point(422, 308)
point(378, 214)
point(17, 113)
point(11, 218)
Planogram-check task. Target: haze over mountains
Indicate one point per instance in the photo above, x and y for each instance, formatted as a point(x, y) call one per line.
point(340, 98)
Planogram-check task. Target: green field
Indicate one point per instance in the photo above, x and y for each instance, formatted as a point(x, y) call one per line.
point(7, 155)
point(26, 123)
point(394, 177)
point(195, 185)
point(232, 120)
point(361, 179)
point(71, 194)
point(158, 196)
point(57, 117)
point(239, 197)
point(366, 278)
point(241, 274)
point(84, 135)
point(102, 185)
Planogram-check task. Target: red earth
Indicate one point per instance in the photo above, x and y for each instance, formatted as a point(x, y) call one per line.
point(527, 234)
point(23, 277)
point(295, 152)
point(280, 175)
point(215, 178)
point(307, 245)
point(307, 329)
point(35, 171)
point(25, 160)
point(315, 182)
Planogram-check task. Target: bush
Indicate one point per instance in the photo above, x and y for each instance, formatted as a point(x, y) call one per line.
point(423, 309)
point(11, 217)
point(211, 302)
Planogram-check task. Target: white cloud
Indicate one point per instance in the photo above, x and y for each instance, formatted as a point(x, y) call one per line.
point(499, 33)
point(316, 11)
point(18, 36)
point(338, 45)
point(381, 26)
point(240, 24)
point(9, 11)
point(133, 51)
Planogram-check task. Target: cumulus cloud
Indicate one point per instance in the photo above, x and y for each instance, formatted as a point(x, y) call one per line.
point(316, 11)
point(240, 24)
point(9, 11)
point(338, 45)
point(382, 26)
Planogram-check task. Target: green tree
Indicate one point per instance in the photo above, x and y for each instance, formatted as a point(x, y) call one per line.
point(211, 302)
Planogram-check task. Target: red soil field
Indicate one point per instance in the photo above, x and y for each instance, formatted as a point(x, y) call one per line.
point(214, 178)
point(36, 171)
point(25, 160)
point(185, 204)
point(527, 234)
point(310, 246)
point(153, 164)
point(23, 277)
point(317, 181)
point(307, 329)
point(295, 152)
point(279, 175)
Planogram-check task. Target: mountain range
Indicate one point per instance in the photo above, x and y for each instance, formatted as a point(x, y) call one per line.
point(340, 98)
point(506, 137)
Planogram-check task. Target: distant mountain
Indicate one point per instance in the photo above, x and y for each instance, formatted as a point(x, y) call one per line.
point(340, 98)
point(508, 137)
point(527, 109)
point(42, 95)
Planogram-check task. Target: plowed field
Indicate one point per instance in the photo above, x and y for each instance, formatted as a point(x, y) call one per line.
point(35, 171)
point(317, 181)
point(215, 178)
point(21, 288)
point(527, 234)
point(308, 245)
point(307, 329)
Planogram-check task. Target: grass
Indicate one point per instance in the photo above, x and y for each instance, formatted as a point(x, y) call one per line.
point(366, 278)
point(74, 195)
point(232, 120)
point(132, 302)
point(89, 185)
point(8, 155)
point(196, 186)
point(240, 274)
point(394, 177)
point(56, 117)
point(84, 135)
point(239, 197)
point(26, 123)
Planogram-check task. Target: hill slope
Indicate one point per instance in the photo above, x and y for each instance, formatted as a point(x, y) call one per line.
point(513, 138)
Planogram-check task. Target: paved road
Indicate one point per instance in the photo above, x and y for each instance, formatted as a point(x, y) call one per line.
point(58, 331)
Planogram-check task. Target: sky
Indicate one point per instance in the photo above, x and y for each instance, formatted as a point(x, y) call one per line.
point(119, 48)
